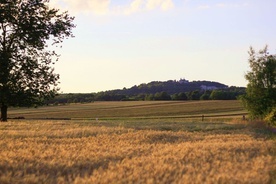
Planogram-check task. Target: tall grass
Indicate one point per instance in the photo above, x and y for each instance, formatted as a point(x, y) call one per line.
point(133, 152)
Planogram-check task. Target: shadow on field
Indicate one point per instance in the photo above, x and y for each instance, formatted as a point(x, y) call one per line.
point(51, 173)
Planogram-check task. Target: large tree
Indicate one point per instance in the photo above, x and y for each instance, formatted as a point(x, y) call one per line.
point(260, 97)
point(28, 29)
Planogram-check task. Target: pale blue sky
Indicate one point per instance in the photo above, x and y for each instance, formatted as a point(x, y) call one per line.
point(122, 43)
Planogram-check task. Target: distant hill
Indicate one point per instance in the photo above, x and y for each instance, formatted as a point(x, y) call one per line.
point(157, 90)
point(171, 87)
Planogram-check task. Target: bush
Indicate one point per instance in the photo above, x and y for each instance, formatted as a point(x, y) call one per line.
point(271, 117)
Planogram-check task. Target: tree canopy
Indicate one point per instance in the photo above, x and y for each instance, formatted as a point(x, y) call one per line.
point(28, 29)
point(260, 97)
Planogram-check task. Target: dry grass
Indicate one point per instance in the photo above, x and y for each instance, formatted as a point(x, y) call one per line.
point(86, 152)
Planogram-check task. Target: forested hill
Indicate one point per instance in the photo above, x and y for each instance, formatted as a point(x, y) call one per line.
point(156, 90)
point(170, 87)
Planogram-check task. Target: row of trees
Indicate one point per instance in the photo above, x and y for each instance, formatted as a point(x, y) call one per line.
point(106, 96)
point(196, 95)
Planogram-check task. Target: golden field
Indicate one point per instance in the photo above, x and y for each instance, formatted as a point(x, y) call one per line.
point(115, 152)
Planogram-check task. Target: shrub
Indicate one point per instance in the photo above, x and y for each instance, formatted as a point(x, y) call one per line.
point(271, 117)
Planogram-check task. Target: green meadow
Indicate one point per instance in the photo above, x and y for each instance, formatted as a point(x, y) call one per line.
point(136, 109)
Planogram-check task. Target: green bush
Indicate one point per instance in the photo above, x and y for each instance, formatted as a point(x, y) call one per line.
point(271, 117)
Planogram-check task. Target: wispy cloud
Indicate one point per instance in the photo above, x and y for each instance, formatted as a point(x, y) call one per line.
point(147, 5)
point(159, 4)
point(135, 6)
point(104, 7)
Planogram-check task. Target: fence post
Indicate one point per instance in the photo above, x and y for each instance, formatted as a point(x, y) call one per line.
point(202, 117)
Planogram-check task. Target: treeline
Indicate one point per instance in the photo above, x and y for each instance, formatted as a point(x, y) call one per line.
point(158, 90)
point(220, 94)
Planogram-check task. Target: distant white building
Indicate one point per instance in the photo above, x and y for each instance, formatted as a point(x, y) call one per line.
point(204, 87)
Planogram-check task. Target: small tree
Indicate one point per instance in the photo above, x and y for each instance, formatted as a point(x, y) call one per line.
point(260, 97)
point(205, 96)
point(194, 95)
point(27, 27)
point(182, 96)
point(271, 118)
point(162, 96)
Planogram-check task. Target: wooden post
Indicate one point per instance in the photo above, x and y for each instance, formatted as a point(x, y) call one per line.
point(202, 117)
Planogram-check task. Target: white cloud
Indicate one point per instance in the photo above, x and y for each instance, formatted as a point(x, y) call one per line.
point(134, 7)
point(167, 4)
point(104, 7)
point(148, 5)
point(159, 4)
point(99, 7)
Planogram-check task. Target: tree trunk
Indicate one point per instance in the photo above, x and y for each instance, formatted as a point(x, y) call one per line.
point(4, 114)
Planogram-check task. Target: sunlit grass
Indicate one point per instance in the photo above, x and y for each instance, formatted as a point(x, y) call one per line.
point(135, 151)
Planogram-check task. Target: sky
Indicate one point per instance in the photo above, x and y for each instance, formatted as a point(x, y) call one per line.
point(122, 43)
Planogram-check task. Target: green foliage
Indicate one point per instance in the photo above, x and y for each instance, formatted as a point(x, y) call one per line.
point(223, 95)
point(194, 95)
point(149, 97)
point(260, 97)
point(205, 96)
point(27, 27)
point(179, 96)
point(271, 117)
point(162, 96)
